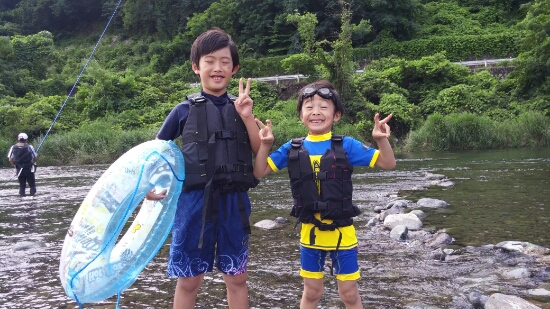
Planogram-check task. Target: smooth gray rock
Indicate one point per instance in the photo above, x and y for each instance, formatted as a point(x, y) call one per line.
point(395, 209)
point(399, 233)
point(409, 220)
point(503, 301)
point(540, 294)
point(431, 203)
point(419, 213)
point(517, 273)
point(523, 247)
point(440, 240)
point(267, 224)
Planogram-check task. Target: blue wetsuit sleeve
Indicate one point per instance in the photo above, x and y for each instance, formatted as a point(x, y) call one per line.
point(278, 159)
point(174, 122)
point(359, 154)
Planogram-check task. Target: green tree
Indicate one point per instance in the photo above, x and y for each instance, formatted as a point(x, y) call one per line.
point(222, 14)
point(338, 61)
point(6, 67)
point(398, 17)
point(35, 53)
point(533, 64)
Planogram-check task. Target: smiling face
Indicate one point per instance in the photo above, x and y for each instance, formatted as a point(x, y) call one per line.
point(318, 114)
point(215, 71)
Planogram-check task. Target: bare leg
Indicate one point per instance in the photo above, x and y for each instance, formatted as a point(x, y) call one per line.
point(186, 292)
point(237, 291)
point(349, 293)
point(313, 290)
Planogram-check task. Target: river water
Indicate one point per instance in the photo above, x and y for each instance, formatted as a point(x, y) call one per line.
point(498, 195)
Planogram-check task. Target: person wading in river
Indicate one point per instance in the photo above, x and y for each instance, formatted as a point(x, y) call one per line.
point(22, 155)
point(320, 167)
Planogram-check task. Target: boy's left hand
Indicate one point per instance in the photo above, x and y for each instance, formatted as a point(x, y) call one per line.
point(244, 103)
point(154, 196)
point(266, 133)
point(381, 128)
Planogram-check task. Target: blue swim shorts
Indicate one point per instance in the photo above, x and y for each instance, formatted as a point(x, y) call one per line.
point(229, 246)
point(344, 263)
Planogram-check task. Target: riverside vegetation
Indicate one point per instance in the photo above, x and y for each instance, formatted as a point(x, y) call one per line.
point(407, 48)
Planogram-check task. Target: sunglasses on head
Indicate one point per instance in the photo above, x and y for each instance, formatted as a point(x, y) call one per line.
point(324, 93)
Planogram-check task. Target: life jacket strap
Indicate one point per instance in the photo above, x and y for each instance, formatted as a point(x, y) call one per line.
point(225, 134)
point(231, 168)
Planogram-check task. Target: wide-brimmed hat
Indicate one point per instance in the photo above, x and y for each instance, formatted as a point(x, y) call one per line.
point(22, 137)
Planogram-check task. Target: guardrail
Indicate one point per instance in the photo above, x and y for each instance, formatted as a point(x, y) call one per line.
point(299, 77)
point(483, 62)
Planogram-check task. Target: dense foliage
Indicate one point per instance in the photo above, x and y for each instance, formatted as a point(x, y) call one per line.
point(140, 69)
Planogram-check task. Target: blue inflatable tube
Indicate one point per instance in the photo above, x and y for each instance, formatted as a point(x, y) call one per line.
point(95, 262)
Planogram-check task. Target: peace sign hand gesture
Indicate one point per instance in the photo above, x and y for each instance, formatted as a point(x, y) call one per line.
point(381, 128)
point(244, 103)
point(266, 134)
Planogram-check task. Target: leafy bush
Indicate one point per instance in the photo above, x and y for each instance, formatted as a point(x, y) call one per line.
point(456, 47)
point(301, 64)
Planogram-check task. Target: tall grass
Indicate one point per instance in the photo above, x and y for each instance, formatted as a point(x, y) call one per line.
point(93, 143)
point(469, 132)
point(102, 142)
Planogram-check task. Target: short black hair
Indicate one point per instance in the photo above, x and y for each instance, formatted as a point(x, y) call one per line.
point(336, 99)
point(211, 41)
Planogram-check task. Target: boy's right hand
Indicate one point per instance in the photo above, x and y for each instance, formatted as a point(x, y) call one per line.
point(266, 134)
point(153, 196)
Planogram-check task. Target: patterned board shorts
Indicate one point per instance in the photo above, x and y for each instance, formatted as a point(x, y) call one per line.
point(228, 247)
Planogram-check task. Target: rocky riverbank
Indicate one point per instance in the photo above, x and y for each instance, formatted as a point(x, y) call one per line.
point(405, 265)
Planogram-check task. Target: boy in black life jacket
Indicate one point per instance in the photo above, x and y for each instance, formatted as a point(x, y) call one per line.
point(22, 155)
point(320, 167)
point(219, 135)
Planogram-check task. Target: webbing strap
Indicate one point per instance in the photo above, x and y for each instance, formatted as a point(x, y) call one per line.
point(244, 217)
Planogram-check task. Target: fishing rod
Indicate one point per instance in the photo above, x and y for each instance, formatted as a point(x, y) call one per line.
point(74, 85)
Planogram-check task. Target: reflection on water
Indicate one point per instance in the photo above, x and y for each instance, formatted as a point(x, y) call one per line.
point(498, 195)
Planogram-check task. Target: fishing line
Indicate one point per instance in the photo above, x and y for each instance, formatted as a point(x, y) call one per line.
point(80, 75)
point(75, 83)
point(68, 96)
point(71, 91)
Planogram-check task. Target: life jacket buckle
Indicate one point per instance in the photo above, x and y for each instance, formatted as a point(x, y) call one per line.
point(320, 206)
point(226, 168)
point(322, 175)
point(221, 134)
point(327, 227)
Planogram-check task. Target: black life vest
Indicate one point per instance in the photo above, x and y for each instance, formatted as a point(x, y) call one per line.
point(217, 154)
point(216, 146)
point(335, 199)
point(22, 155)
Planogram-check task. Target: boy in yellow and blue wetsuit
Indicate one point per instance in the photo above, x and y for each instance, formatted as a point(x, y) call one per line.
point(320, 167)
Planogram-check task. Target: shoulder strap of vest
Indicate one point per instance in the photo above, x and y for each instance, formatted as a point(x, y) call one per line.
point(337, 141)
point(196, 98)
point(296, 144)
